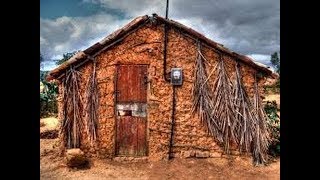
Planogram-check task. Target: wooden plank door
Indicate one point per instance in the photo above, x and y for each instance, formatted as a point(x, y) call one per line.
point(131, 107)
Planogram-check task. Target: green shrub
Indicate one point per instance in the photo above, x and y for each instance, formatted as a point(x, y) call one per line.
point(274, 126)
point(271, 110)
point(48, 102)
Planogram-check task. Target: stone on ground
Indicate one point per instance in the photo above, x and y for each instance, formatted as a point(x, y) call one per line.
point(76, 158)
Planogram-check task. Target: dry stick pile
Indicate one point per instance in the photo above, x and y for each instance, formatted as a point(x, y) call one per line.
point(73, 124)
point(262, 139)
point(92, 105)
point(246, 118)
point(202, 96)
point(223, 112)
point(227, 112)
point(72, 108)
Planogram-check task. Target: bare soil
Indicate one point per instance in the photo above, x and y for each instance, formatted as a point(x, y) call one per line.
point(49, 123)
point(49, 128)
point(53, 166)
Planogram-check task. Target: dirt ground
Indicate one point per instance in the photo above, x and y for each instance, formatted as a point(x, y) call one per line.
point(49, 123)
point(52, 166)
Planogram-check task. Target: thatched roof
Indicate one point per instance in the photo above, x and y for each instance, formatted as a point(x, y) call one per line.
point(112, 39)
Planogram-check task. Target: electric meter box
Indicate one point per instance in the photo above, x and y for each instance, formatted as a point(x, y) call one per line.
point(176, 76)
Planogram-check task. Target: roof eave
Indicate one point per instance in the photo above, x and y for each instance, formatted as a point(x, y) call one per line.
point(55, 72)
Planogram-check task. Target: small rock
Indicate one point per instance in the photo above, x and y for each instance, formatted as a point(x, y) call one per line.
point(76, 158)
point(200, 154)
point(188, 154)
point(235, 153)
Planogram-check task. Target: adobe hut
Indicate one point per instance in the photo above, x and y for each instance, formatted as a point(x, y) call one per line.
point(158, 89)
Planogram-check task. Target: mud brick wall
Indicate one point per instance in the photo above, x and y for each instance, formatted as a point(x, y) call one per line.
point(145, 46)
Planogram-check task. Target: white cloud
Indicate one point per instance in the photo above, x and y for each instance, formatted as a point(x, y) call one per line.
point(67, 34)
point(56, 57)
point(262, 58)
point(48, 65)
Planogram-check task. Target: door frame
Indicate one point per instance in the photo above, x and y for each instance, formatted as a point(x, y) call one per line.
point(115, 93)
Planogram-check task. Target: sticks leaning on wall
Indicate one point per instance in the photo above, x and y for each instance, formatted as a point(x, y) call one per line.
point(92, 104)
point(245, 116)
point(262, 139)
point(72, 122)
point(202, 95)
point(73, 111)
point(252, 132)
point(215, 105)
point(223, 111)
point(226, 110)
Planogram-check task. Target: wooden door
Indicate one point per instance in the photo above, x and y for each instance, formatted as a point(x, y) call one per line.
point(131, 107)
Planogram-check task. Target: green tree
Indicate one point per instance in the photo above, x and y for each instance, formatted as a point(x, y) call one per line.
point(48, 102)
point(48, 94)
point(66, 57)
point(275, 61)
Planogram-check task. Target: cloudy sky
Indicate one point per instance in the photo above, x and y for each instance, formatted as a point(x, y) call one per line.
point(249, 27)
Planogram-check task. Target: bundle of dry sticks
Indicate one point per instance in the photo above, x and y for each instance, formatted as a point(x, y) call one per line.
point(227, 111)
point(73, 111)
